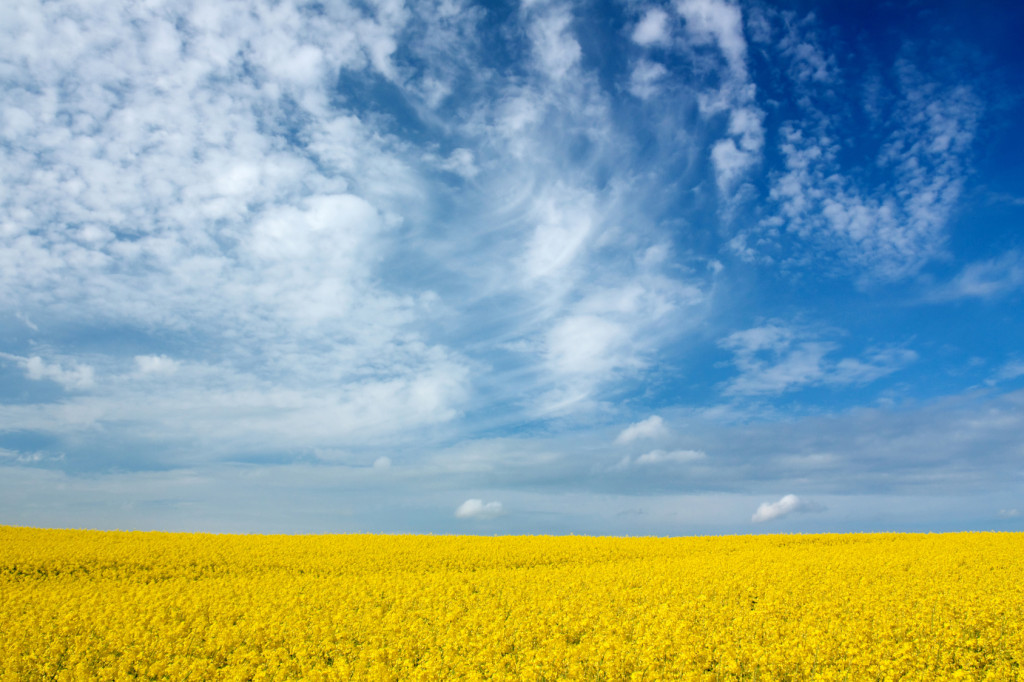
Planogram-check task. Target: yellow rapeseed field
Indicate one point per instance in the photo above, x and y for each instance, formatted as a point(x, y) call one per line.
point(88, 605)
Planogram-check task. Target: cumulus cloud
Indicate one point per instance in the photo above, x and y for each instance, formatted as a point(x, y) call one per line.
point(382, 463)
point(170, 176)
point(478, 509)
point(651, 428)
point(260, 158)
point(1008, 513)
point(768, 511)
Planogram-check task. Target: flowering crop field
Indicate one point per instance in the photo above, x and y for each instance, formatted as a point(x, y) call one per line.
point(87, 605)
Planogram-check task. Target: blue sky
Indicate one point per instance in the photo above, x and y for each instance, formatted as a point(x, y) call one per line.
point(543, 267)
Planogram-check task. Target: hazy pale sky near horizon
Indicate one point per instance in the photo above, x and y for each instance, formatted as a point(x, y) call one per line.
point(543, 267)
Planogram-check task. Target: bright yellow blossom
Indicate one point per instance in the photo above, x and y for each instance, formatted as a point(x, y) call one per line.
point(86, 605)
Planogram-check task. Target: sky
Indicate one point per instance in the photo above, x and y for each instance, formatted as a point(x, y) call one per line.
point(615, 267)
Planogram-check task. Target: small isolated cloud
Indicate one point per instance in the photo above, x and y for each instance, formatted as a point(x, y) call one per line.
point(1008, 513)
point(985, 279)
point(382, 463)
point(675, 456)
point(478, 509)
point(155, 364)
point(652, 427)
point(769, 511)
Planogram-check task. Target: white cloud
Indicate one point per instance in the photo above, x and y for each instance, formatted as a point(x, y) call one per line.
point(816, 460)
point(652, 29)
point(673, 456)
point(746, 124)
point(809, 63)
point(174, 203)
point(1008, 513)
point(774, 359)
point(768, 511)
point(28, 323)
point(1009, 371)
point(720, 23)
point(888, 223)
point(211, 178)
point(74, 377)
point(332, 229)
point(770, 337)
point(229, 411)
point(644, 81)
point(651, 428)
point(461, 161)
point(984, 279)
point(357, 233)
point(556, 50)
point(758, 25)
point(155, 364)
point(478, 509)
point(34, 457)
point(588, 345)
point(564, 223)
point(730, 163)
point(875, 365)
point(799, 366)
point(801, 46)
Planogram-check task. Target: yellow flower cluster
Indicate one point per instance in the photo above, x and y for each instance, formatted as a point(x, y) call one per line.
point(88, 605)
